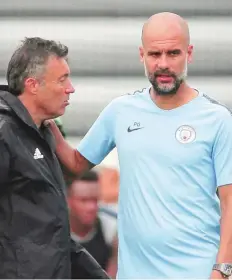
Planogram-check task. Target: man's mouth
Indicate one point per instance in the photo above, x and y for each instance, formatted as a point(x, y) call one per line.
point(164, 78)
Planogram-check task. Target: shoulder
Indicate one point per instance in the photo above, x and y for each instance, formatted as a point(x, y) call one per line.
point(130, 96)
point(9, 129)
point(7, 126)
point(6, 117)
point(112, 109)
point(8, 133)
point(127, 98)
point(219, 109)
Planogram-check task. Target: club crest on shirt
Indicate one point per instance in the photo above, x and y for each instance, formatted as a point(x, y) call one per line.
point(185, 134)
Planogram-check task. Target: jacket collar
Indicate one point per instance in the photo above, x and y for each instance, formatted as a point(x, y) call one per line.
point(16, 106)
point(10, 102)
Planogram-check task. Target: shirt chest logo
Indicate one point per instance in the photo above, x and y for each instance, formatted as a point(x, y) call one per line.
point(185, 134)
point(135, 126)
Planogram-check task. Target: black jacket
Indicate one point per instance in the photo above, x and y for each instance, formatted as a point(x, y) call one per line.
point(34, 225)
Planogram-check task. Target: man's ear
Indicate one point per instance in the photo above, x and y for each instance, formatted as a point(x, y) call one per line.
point(141, 54)
point(190, 53)
point(31, 85)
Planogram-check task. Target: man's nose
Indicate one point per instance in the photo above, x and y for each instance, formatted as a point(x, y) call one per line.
point(70, 89)
point(163, 62)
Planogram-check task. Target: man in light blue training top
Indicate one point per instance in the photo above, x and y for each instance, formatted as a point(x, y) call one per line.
point(175, 150)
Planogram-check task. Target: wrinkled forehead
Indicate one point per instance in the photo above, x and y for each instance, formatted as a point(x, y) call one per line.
point(57, 66)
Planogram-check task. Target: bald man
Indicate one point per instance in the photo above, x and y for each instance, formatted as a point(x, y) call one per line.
point(174, 146)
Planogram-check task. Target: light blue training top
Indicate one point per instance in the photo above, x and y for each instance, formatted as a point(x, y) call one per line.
point(171, 163)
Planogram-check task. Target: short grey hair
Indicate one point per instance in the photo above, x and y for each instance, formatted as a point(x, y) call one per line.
point(29, 60)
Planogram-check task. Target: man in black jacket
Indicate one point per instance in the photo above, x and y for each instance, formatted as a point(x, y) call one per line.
point(34, 227)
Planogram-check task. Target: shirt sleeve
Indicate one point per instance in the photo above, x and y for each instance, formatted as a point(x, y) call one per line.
point(4, 163)
point(100, 139)
point(222, 152)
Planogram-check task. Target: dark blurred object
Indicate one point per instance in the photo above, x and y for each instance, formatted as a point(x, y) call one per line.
point(84, 266)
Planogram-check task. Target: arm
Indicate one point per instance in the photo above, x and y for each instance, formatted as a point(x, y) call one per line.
point(225, 249)
point(94, 147)
point(69, 156)
point(112, 266)
point(222, 159)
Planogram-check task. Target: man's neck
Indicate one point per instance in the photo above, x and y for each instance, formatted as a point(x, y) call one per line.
point(168, 102)
point(29, 105)
point(80, 230)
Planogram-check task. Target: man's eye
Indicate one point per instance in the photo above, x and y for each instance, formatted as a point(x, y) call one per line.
point(173, 53)
point(155, 54)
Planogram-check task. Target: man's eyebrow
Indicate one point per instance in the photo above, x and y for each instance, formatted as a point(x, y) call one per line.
point(174, 51)
point(154, 52)
point(64, 75)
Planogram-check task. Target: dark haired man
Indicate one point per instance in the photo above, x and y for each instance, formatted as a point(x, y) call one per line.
point(35, 239)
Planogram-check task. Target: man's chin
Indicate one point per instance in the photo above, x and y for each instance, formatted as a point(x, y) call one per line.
point(89, 223)
point(165, 91)
point(61, 111)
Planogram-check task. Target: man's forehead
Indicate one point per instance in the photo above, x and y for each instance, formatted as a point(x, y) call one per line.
point(164, 45)
point(57, 63)
point(164, 35)
point(84, 188)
